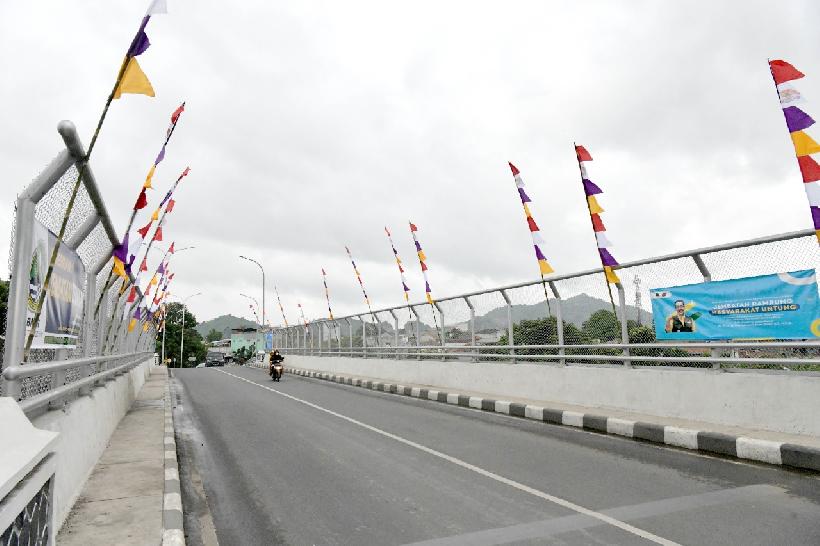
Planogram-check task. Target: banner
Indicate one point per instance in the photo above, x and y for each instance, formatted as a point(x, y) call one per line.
point(61, 319)
point(779, 306)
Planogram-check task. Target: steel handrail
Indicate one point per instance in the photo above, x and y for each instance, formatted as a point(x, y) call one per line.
point(13, 373)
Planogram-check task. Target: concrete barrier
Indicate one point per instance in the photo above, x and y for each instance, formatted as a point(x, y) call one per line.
point(85, 426)
point(780, 402)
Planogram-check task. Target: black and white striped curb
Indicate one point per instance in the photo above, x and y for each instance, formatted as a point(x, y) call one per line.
point(741, 447)
point(172, 531)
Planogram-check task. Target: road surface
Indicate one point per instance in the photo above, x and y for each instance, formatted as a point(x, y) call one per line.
point(305, 461)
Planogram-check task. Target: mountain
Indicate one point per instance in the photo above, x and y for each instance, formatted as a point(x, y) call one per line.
point(576, 310)
point(224, 324)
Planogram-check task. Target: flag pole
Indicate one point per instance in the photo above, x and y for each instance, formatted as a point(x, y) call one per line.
point(57, 243)
point(108, 283)
point(589, 209)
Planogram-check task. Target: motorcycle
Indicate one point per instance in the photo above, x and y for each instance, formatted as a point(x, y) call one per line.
point(276, 370)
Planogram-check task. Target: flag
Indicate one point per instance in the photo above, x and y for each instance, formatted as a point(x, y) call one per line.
point(537, 241)
point(158, 234)
point(134, 80)
point(404, 286)
point(327, 294)
point(171, 248)
point(359, 278)
point(170, 206)
point(282, 309)
point(806, 148)
point(591, 190)
point(422, 263)
point(142, 200)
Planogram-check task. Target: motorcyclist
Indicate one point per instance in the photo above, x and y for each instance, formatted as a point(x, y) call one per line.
point(275, 358)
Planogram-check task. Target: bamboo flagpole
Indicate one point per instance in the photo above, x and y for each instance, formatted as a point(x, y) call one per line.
point(122, 253)
point(601, 241)
point(130, 79)
point(427, 291)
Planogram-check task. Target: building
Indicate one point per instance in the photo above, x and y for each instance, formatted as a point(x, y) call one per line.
point(247, 337)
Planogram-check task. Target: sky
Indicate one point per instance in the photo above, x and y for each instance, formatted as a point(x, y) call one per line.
point(313, 125)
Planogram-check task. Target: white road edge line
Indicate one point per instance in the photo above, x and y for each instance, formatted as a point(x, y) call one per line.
point(512, 483)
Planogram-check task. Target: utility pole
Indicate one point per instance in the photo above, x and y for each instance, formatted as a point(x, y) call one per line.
point(637, 282)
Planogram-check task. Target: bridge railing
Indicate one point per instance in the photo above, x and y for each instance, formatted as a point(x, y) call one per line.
point(91, 234)
point(492, 324)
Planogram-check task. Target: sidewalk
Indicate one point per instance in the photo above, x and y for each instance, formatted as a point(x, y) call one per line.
point(122, 501)
point(794, 450)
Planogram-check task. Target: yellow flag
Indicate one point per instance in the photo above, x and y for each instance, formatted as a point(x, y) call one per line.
point(545, 267)
point(132, 324)
point(119, 268)
point(594, 207)
point(611, 277)
point(422, 257)
point(134, 81)
point(527, 212)
point(149, 177)
point(145, 327)
point(153, 281)
point(430, 299)
point(155, 216)
point(804, 144)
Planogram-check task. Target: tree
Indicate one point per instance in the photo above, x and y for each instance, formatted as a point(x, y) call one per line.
point(602, 326)
point(213, 335)
point(193, 345)
point(543, 332)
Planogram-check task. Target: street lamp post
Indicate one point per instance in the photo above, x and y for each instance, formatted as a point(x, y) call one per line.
point(182, 333)
point(263, 286)
point(165, 326)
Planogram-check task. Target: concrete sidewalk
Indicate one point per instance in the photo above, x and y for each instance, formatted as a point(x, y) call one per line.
point(122, 501)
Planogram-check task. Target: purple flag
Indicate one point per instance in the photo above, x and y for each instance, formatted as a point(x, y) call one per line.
point(418, 247)
point(140, 42)
point(427, 286)
point(538, 253)
point(406, 288)
point(121, 250)
point(797, 119)
point(160, 157)
point(590, 188)
point(815, 216)
point(606, 258)
point(524, 197)
point(137, 314)
point(166, 198)
point(161, 268)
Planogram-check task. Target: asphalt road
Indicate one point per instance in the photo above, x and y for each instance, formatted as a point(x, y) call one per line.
point(310, 462)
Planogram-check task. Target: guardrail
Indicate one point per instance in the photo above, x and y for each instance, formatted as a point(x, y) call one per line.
point(378, 334)
point(47, 386)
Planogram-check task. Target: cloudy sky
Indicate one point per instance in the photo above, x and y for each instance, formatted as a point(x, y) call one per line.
point(311, 125)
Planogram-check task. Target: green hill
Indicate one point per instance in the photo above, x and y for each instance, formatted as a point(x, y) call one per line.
point(224, 324)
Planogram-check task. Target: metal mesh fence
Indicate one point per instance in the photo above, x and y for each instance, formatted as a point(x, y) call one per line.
point(590, 322)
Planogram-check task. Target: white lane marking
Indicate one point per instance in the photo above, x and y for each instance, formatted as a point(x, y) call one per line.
point(478, 470)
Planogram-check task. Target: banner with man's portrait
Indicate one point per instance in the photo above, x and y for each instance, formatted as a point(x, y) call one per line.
point(779, 306)
point(61, 319)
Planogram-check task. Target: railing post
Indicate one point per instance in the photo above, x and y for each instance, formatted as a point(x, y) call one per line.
point(19, 287)
point(472, 327)
point(395, 333)
point(378, 336)
point(443, 335)
point(418, 332)
point(559, 323)
point(349, 339)
point(510, 339)
point(364, 336)
point(624, 329)
point(707, 277)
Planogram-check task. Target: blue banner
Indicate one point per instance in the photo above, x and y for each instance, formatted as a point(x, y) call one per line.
point(779, 306)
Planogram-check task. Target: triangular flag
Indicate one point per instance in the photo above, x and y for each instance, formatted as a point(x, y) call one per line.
point(514, 169)
point(783, 71)
point(170, 206)
point(590, 188)
point(594, 207)
point(582, 153)
point(140, 42)
point(597, 223)
point(804, 144)
point(611, 277)
point(143, 231)
point(532, 224)
point(134, 81)
point(545, 267)
point(142, 200)
point(813, 193)
point(144, 265)
point(413, 227)
point(422, 257)
point(155, 215)
point(157, 7)
point(158, 234)
point(131, 324)
point(160, 156)
point(809, 168)
point(119, 268)
point(132, 296)
point(171, 249)
point(797, 119)
point(177, 113)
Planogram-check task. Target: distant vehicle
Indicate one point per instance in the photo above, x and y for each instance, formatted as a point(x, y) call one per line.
point(214, 358)
point(200, 365)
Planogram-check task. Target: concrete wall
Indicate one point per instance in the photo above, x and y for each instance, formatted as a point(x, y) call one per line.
point(85, 426)
point(779, 402)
